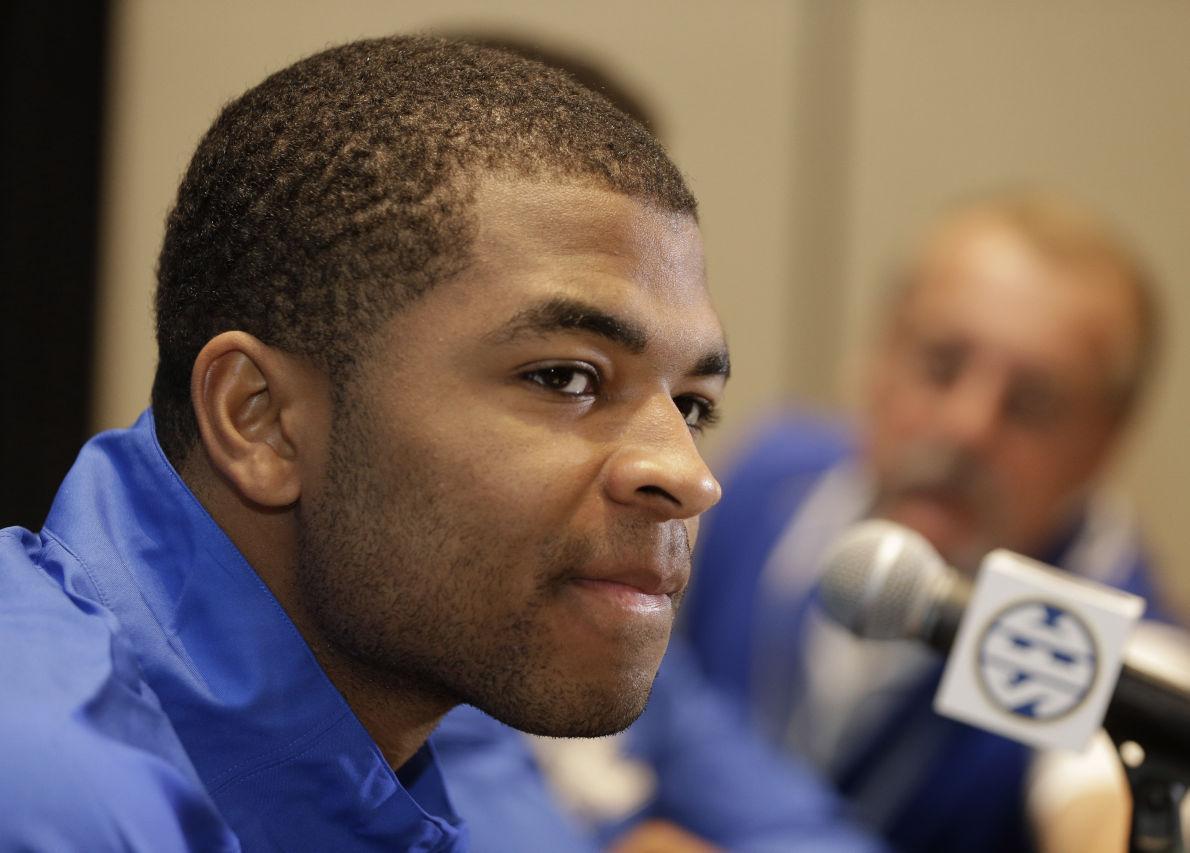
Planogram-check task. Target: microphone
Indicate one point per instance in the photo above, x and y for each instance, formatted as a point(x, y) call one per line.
point(885, 581)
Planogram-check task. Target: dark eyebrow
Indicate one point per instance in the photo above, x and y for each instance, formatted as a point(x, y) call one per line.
point(571, 314)
point(713, 364)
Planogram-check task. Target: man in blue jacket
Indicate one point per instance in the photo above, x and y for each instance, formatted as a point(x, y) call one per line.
point(1013, 351)
point(435, 346)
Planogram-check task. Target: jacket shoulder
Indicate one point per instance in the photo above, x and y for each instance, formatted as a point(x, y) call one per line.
point(88, 760)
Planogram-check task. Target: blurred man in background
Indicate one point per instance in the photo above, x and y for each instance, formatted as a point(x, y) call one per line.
point(1014, 349)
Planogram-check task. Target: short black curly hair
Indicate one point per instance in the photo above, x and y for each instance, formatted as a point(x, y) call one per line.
point(338, 190)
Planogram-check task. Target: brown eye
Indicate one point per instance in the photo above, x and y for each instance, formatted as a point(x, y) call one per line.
point(1033, 404)
point(565, 379)
point(941, 364)
point(697, 412)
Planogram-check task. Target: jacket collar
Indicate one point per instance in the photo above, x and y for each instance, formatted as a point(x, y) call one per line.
point(274, 742)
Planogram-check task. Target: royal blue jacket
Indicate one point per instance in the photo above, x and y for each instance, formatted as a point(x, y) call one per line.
point(154, 696)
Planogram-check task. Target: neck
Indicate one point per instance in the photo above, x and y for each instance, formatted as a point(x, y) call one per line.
point(398, 715)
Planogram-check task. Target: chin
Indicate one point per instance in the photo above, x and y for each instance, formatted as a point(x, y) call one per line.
point(609, 715)
point(588, 707)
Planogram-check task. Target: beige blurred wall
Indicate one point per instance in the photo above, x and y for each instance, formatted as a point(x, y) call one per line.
point(814, 132)
point(719, 74)
point(1092, 96)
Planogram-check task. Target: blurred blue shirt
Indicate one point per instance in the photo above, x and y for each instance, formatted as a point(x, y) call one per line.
point(926, 783)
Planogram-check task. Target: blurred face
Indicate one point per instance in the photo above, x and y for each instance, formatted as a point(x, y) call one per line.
point(991, 406)
point(513, 485)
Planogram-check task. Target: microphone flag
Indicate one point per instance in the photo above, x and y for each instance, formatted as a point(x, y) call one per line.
point(1037, 654)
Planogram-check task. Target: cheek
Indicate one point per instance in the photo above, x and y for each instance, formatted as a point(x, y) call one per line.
point(1025, 475)
point(1039, 475)
point(523, 481)
point(894, 420)
point(901, 401)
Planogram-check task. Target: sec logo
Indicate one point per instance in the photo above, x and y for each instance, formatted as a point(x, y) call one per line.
point(1037, 661)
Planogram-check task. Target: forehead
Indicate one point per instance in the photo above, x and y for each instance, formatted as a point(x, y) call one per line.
point(536, 240)
point(525, 223)
point(981, 281)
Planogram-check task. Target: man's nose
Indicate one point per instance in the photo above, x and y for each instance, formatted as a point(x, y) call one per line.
point(970, 412)
point(657, 467)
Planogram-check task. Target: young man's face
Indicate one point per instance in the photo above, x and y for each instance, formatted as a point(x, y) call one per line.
point(513, 485)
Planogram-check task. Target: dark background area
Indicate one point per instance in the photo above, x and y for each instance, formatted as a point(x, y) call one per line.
point(53, 62)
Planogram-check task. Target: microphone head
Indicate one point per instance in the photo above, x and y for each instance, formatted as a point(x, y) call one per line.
point(882, 580)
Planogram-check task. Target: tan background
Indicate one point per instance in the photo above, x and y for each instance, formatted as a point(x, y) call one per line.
point(814, 132)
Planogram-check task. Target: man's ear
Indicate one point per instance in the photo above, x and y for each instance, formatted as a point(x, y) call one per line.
point(251, 402)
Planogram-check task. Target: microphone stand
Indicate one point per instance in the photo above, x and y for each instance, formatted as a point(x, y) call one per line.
point(1160, 779)
point(1157, 791)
